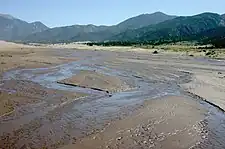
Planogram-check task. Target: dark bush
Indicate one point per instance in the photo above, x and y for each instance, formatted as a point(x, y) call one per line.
point(210, 53)
point(155, 52)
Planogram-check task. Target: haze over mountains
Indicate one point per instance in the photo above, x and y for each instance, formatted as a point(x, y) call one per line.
point(145, 27)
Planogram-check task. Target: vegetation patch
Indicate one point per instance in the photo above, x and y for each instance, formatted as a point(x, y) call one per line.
point(209, 53)
point(155, 52)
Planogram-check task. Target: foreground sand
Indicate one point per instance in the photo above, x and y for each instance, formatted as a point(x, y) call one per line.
point(156, 100)
point(161, 123)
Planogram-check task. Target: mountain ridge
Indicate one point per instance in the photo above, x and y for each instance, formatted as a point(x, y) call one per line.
point(8, 16)
point(12, 28)
point(155, 18)
point(178, 27)
point(92, 32)
point(144, 27)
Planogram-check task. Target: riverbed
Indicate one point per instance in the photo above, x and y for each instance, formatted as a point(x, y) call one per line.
point(111, 99)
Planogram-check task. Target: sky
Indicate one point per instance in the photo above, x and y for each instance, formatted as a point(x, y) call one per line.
point(55, 13)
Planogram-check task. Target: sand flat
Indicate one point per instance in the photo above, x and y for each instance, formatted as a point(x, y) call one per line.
point(210, 86)
point(92, 79)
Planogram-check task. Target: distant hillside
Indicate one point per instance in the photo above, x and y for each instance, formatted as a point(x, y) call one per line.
point(211, 33)
point(223, 16)
point(214, 36)
point(38, 26)
point(96, 33)
point(144, 20)
point(64, 34)
point(177, 28)
point(13, 29)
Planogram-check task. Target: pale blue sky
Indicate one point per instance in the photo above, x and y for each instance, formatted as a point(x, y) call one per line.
point(68, 12)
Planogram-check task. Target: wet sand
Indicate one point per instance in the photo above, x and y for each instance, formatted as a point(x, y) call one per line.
point(210, 86)
point(96, 81)
point(161, 123)
point(59, 98)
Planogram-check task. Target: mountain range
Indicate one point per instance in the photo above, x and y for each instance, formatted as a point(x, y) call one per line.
point(15, 29)
point(144, 27)
point(180, 27)
point(12, 28)
point(96, 33)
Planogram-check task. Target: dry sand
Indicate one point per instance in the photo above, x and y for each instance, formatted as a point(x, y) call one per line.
point(25, 56)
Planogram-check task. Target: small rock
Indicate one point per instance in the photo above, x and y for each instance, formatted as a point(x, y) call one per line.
point(74, 140)
point(222, 77)
point(219, 72)
point(119, 138)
